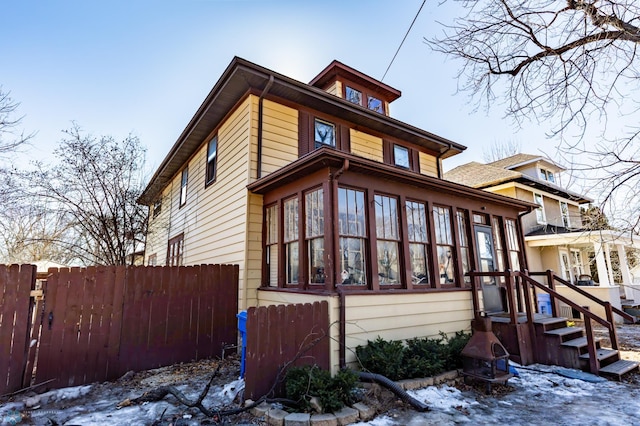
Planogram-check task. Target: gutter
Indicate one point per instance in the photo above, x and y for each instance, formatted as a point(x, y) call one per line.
point(260, 114)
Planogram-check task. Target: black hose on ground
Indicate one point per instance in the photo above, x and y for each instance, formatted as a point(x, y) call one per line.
point(393, 387)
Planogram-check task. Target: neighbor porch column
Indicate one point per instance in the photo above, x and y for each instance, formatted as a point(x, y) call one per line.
point(601, 264)
point(626, 273)
point(607, 253)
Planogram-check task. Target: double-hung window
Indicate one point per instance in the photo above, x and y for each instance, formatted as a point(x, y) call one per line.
point(183, 186)
point(290, 240)
point(418, 242)
point(388, 239)
point(444, 244)
point(463, 237)
point(352, 236)
point(314, 235)
point(513, 243)
point(212, 159)
point(540, 216)
point(564, 211)
point(175, 251)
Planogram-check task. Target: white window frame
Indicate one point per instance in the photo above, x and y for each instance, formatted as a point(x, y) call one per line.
point(564, 214)
point(540, 214)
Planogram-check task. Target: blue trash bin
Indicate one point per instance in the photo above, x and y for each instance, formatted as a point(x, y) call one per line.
point(544, 304)
point(242, 328)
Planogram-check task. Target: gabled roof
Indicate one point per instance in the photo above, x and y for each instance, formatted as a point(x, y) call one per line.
point(519, 160)
point(478, 175)
point(240, 78)
point(484, 176)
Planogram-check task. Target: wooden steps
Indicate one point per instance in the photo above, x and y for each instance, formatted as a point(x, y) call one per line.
point(619, 368)
point(557, 343)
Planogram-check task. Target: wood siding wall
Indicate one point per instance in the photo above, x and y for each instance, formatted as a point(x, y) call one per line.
point(428, 164)
point(281, 335)
point(279, 136)
point(404, 316)
point(391, 316)
point(366, 145)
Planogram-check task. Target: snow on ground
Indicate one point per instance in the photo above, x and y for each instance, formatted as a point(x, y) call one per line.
point(539, 396)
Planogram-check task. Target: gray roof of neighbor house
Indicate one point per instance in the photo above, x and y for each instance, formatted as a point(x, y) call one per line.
point(521, 160)
point(241, 77)
point(483, 176)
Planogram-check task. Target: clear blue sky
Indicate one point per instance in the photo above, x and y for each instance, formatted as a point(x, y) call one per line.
point(144, 67)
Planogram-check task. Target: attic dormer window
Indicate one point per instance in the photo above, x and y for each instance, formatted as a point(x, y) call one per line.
point(375, 104)
point(547, 175)
point(324, 133)
point(353, 95)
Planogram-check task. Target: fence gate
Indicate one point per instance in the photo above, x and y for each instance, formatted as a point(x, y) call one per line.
point(96, 323)
point(278, 336)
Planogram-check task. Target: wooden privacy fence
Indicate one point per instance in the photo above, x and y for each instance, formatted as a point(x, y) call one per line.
point(278, 335)
point(96, 323)
point(16, 283)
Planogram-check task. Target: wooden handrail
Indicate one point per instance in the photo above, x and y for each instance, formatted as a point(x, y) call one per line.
point(591, 297)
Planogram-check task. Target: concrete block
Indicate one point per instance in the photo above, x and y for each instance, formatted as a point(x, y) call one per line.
point(260, 410)
point(324, 420)
point(346, 415)
point(275, 417)
point(297, 419)
point(365, 412)
point(445, 377)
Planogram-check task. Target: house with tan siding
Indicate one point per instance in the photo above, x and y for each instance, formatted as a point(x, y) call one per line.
point(319, 194)
point(554, 234)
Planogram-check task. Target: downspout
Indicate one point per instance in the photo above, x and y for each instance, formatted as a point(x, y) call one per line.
point(342, 321)
point(260, 108)
point(439, 158)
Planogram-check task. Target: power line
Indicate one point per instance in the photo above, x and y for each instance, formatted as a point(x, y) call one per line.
point(402, 42)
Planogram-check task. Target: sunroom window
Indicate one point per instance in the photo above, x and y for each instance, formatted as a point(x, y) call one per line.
point(314, 234)
point(352, 236)
point(540, 216)
point(388, 239)
point(290, 240)
point(418, 242)
point(564, 211)
point(512, 243)
point(444, 244)
point(271, 243)
point(463, 237)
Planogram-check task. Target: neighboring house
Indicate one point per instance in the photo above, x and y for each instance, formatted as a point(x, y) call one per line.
point(319, 195)
point(554, 234)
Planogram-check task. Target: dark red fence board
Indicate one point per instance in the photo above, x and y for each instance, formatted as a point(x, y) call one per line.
point(109, 320)
point(16, 283)
point(281, 335)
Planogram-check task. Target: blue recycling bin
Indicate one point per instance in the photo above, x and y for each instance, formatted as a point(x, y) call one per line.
point(242, 328)
point(544, 304)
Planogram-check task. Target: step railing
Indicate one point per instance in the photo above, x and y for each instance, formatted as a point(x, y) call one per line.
point(519, 299)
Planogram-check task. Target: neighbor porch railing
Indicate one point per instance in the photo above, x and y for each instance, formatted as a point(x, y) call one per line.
point(520, 292)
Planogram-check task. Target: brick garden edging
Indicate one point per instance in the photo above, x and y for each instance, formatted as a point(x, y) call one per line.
point(357, 412)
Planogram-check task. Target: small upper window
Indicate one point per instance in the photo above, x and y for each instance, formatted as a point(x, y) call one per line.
point(183, 186)
point(401, 156)
point(212, 155)
point(540, 215)
point(324, 133)
point(547, 175)
point(353, 95)
point(157, 207)
point(375, 104)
